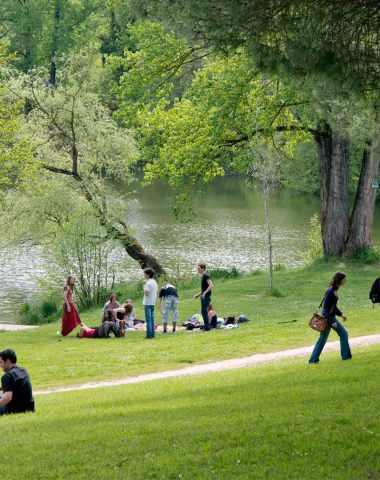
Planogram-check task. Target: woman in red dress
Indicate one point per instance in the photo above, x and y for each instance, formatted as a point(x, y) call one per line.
point(70, 317)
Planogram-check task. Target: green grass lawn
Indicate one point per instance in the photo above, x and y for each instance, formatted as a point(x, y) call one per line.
point(287, 420)
point(53, 360)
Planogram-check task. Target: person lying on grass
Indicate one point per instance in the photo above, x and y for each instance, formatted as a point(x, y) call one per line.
point(102, 331)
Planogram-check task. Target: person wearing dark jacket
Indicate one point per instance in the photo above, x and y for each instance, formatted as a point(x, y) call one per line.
point(17, 390)
point(331, 311)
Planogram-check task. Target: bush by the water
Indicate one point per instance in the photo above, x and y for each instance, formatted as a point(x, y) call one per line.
point(46, 312)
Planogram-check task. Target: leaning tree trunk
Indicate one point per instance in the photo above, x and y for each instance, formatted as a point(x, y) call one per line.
point(115, 230)
point(333, 156)
point(359, 234)
point(119, 231)
point(132, 246)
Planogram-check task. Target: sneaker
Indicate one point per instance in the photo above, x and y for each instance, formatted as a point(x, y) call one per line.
point(164, 331)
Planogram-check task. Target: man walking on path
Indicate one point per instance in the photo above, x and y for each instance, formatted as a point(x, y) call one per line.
point(169, 294)
point(149, 301)
point(205, 293)
point(16, 386)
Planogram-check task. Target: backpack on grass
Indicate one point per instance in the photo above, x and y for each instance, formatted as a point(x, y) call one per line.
point(374, 294)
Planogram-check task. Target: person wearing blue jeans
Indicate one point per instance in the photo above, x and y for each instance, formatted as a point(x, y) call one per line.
point(330, 311)
point(149, 301)
point(205, 293)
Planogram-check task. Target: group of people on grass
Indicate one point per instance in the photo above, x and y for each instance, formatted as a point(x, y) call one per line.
point(117, 318)
point(15, 383)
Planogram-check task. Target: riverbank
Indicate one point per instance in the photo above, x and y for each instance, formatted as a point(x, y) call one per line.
point(238, 231)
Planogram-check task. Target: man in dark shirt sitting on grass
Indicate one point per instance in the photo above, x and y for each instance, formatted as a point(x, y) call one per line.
point(17, 390)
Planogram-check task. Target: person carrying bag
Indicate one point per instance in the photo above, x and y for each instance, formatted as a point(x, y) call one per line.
point(330, 311)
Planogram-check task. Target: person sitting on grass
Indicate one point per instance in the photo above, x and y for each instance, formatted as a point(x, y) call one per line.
point(17, 390)
point(212, 316)
point(109, 306)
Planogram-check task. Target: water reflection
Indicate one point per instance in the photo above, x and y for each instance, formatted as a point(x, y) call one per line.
point(228, 230)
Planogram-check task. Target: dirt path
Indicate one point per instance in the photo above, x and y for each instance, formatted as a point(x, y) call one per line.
point(11, 327)
point(216, 366)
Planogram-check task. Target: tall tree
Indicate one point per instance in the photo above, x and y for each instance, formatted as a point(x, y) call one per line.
point(74, 136)
point(335, 46)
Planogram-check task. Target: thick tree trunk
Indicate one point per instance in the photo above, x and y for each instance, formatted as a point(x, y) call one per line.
point(136, 251)
point(333, 155)
point(359, 234)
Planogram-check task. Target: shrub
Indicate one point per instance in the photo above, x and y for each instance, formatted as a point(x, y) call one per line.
point(366, 255)
point(48, 308)
point(224, 273)
point(275, 292)
point(46, 312)
point(314, 240)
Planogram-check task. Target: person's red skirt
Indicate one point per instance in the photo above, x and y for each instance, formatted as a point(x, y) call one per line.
point(70, 319)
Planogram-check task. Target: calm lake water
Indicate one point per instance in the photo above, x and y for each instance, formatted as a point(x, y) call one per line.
point(228, 231)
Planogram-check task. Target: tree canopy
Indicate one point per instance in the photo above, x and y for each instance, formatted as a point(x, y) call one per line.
point(338, 39)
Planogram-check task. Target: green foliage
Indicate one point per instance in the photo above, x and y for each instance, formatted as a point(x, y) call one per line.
point(334, 44)
point(224, 273)
point(15, 151)
point(278, 267)
point(190, 139)
point(71, 116)
point(81, 245)
point(43, 31)
point(314, 250)
point(366, 255)
point(39, 314)
point(301, 171)
point(48, 308)
point(275, 292)
point(71, 237)
point(257, 272)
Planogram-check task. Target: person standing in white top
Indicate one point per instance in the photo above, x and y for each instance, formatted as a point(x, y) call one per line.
point(149, 301)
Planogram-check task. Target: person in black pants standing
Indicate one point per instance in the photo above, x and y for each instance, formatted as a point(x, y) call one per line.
point(205, 293)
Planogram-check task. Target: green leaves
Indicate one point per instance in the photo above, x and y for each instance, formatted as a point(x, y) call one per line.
point(189, 139)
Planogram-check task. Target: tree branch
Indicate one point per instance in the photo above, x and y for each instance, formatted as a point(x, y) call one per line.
point(280, 128)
